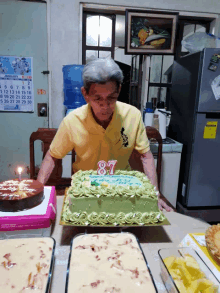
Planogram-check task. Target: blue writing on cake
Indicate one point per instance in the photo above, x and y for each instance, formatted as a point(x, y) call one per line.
point(116, 180)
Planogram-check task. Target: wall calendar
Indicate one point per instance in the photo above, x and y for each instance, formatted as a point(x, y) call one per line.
point(16, 84)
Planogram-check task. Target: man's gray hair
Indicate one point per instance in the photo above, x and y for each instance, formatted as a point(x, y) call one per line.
point(101, 71)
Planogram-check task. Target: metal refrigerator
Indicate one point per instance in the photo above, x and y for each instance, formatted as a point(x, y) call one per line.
point(195, 122)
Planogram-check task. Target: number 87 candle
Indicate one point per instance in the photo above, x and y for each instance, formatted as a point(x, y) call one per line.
point(102, 167)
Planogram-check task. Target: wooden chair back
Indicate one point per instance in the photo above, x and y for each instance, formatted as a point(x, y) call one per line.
point(135, 162)
point(46, 135)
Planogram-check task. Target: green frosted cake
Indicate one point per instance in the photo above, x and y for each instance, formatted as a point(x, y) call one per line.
point(125, 198)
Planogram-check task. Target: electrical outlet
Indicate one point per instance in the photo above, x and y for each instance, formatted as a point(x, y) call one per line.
point(42, 109)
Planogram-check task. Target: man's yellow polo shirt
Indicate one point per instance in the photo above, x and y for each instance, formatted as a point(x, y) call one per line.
point(92, 143)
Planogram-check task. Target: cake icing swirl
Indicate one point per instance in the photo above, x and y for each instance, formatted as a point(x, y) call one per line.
point(93, 218)
point(120, 219)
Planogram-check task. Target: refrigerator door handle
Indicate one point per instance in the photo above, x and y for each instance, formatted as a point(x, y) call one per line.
point(212, 115)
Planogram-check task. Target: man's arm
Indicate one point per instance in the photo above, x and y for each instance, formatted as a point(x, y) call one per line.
point(46, 168)
point(147, 160)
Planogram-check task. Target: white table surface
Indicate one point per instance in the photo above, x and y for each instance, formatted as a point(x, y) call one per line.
point(151, 238)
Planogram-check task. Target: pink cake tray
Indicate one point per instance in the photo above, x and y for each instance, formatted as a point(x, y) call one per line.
point(35, 218)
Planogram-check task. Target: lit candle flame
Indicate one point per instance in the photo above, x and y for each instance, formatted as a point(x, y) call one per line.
point(19, 173)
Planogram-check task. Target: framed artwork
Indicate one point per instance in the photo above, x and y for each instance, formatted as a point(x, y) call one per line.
point(148, 32)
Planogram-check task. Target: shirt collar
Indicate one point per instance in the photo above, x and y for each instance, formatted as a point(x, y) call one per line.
point(95, 128)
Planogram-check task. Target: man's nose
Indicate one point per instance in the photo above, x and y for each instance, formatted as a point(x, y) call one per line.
point(105, 104)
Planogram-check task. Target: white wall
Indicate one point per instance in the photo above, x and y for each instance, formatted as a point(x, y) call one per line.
point(64, 19)
point(121, 57)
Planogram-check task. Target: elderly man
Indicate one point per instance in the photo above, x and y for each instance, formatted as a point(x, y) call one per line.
point(104, 129)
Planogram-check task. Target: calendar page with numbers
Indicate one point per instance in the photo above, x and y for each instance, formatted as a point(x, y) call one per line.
point(16, 84)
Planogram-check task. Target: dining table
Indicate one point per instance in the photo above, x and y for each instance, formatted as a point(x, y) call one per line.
point(151, 238)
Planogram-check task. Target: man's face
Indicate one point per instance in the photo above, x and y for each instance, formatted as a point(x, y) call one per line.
point(102, 98)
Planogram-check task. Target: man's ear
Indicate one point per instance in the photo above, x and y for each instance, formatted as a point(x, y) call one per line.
point(84, 93)
point(119, 89)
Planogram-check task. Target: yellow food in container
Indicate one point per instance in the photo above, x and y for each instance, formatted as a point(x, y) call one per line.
point(188, 276)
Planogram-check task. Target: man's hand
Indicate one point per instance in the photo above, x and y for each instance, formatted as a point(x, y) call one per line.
point(162, 205)
point(46, 168)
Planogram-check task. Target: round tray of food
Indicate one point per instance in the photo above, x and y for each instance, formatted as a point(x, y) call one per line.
point(212, 237)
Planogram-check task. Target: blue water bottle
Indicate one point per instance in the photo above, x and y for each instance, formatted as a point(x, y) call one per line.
point(148, 109)
point(72, 83)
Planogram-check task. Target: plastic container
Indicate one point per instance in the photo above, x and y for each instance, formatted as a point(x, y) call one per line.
point(163, 119)
point(200, 40)
point(15, 247)
point(148, 119)
point(148, 112)
point(156, 121)
point(77, 239)
point(72, 83)
point(168, 280)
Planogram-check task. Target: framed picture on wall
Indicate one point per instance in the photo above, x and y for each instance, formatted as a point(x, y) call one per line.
point(148, 32)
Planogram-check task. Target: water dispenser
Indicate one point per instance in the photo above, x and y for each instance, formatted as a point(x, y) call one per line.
point(72, 83)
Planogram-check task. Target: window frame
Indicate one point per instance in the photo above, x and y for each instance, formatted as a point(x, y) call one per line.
point(135, 80)
point(180, 29)
point(97, 48)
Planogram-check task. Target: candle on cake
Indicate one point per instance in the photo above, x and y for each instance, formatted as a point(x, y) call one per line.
point(102, 167)
point(111, 164)
point(19, 173)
